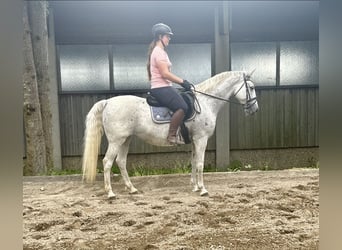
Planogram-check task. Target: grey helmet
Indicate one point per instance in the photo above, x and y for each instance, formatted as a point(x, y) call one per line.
point(161, 29)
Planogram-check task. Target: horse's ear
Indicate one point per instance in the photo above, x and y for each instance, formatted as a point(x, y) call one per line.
point(251, 73)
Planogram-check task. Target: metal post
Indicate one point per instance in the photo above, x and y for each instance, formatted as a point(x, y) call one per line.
point(222, 63)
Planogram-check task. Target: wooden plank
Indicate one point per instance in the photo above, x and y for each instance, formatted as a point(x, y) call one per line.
point(265, 117)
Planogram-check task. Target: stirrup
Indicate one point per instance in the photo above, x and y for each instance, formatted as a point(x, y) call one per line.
point(178, 139)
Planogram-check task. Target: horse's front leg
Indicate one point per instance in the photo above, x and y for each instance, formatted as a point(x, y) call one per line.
point(194, 180)
point(197, 162)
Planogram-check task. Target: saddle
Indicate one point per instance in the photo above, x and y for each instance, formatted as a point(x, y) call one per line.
point(161, 114)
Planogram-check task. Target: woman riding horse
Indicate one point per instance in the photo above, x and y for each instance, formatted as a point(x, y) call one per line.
point(161, 78)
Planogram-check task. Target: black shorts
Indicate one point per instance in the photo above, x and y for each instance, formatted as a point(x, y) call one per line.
point(169, 97)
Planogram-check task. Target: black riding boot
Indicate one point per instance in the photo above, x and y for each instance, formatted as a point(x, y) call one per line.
point(176, 120)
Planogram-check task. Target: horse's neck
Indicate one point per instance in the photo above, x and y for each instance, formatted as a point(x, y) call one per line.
point(223, 87)
point(215, 105)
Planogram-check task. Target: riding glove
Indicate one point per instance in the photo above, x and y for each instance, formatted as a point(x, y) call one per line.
point(186, 85)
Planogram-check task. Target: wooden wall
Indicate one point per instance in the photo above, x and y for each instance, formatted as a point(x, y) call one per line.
point(288, 117)
point(73, 110)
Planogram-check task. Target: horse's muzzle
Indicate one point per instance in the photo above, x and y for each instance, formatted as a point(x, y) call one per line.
point(252, 108)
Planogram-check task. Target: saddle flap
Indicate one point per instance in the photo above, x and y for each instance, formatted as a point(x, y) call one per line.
point(188, 97)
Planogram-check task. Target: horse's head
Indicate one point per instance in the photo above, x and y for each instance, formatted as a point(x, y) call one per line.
point(245, 93)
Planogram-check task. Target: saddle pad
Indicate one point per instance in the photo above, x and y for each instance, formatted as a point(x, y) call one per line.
point(163, 114)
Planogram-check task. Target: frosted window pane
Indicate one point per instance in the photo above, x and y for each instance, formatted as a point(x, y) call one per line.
point(129, 67)
point(298, 63)
point(84, 67)
point(191, 61)
point(259, 56)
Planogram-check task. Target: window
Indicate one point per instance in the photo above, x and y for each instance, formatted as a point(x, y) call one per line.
point(298, 62)
point(84, 67)
point(88, 67)
point(260, 56)
point(129, 67)
point(191, 61)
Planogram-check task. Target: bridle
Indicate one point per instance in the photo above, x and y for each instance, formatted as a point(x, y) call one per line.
point(249, 100)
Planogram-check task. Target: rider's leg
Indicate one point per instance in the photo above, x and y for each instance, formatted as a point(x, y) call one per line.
point(169, 97)
point(176, 120)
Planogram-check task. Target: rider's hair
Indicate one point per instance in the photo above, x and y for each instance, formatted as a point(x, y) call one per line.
point(150, 49)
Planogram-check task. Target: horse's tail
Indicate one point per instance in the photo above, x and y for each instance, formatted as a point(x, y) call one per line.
point(92, 140)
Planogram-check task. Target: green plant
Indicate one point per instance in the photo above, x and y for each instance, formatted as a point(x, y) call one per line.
point(235, 166)
point(317, 164)
point(178, 168)
point(265, 168)
point(140, 170)
point(181, 168)
point(209, 168)
point(313, 163)
point(64, 172)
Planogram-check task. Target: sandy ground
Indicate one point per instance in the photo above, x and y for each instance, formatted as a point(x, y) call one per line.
point(244, 210)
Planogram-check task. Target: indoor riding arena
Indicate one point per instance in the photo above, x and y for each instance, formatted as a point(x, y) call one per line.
point(261, 171)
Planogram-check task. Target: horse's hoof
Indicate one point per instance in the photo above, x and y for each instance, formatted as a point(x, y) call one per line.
point(111, 196)
point(204, 193)
point(134, 191)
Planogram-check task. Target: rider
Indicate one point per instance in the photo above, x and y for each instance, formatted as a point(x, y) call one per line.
point(161, 78)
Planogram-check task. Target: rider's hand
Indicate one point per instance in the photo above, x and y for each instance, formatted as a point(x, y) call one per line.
point(186, 85)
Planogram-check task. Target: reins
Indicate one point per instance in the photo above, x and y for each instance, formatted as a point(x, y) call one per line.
point(217, 97)
point(249, 100)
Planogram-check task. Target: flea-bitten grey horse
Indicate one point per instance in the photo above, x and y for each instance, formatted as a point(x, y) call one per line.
point(122, 117)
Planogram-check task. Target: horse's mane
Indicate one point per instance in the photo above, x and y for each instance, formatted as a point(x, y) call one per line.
point(212, 82)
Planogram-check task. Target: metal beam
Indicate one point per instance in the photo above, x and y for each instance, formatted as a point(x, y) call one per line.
point(222, 63)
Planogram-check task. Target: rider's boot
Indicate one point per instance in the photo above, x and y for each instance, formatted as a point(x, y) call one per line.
point(174, 136)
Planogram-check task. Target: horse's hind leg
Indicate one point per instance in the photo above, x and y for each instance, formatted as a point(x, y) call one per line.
point(121, 160)
point(107, 166)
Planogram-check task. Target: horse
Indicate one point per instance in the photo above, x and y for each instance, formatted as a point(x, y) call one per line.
point(121, 117)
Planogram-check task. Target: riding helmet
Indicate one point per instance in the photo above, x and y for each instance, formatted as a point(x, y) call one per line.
point(161, 29)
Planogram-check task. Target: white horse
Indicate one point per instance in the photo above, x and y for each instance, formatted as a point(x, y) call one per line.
point(121, 117)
